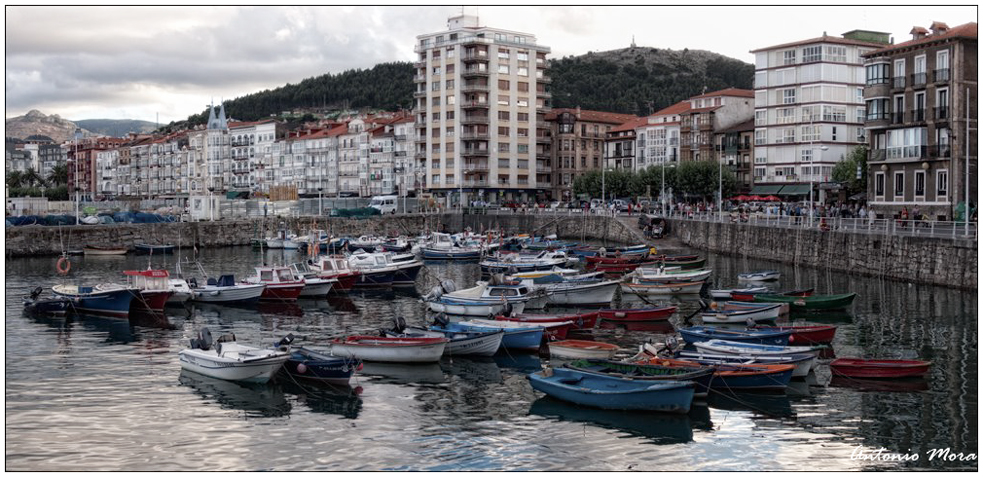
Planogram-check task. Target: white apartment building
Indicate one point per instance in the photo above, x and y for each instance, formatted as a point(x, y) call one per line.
point(480, 99)
point(658, 138)
point(251, 152)
point(809, 110)
point(107, 165)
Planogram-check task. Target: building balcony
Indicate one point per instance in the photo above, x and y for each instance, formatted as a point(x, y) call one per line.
point(419, 78)
point(474, 73)
point(544, 79)
point(419, 94)
point(918, 115)
point(918, 79)
point(544, 140)
point(941, 113)
point(898, 82)
point(474, 136)
point(474, 57)
point(475, 167)
point(420, 155)
point(420, 64)
point(544, 94)
point(897, 117)
point(475, 119)
point(474, 88)
point(474, 153)
point(474, 105)
point(941, 75)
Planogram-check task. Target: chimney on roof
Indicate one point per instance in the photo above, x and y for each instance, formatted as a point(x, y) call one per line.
point(939, 28)
point(917, 33)
point(578, 111)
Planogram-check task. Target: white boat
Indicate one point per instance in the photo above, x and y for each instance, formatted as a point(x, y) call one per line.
point(225, 290)
point(314, 286)
point(564, 272)
point(473, 309)
point(182, 291)
point(752, 349)
point(577, 349)
point(486, 292)
point(724, 293)
point(366, 243)
point(392, 350)
point(740, 312)
point(576, 291)
point(759, 276)
point(461, 343)
point(232, 361)
point(680, 288)
point(662, 276)
point(545, 260)
point(802, 366)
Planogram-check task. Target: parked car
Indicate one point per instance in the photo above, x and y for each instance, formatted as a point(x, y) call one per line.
point(620, 205)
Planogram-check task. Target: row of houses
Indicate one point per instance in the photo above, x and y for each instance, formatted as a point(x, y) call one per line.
point(483, 127)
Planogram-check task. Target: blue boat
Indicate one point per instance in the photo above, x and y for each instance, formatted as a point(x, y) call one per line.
point(34, 304)
point(607, 392)
point(107, 300)
point(375, 279)
point(309, 364)
point(646, 372)
point(516, 337)
point(697, 334)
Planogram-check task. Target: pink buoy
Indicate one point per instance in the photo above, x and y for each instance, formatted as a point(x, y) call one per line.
point(301, 368)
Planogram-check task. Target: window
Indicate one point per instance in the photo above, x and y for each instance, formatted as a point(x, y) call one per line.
point(879, 184)
point(788, 135)
point(760, 136)
point(877, 109)
point(503, 131)
point(503, 69)
point(786, 116)
point(522, 132)
point(760, 117)
point(942, 183)
point(899, 184)
point(759, 173)
point(941, 104)
point(503, 85)
point(523, 87)
point(834, 113)
point(435, 179)
point(449, 84)
point(503, 53)
point(435, 54)
point(503, 99)
point(906, 143)
point(899, 75)
point(449, 131)
point(522, 148)
point(503, 147)
point(435, 86)
point(833, 135)
point(878, 74)
point(522, 55)
point(812, 54)
point(450, 115)
point(449, 147)
point(789, 57)
point(523, 117)
point(810, 132)
point(436, 117)
point(919, 183)
point(523, 71)
point(836, 54)
point(503, 115)
point(788, 96)
point(807, 155)
point(810, 113)
point(450, 54)
point(436, 71)
point(435, 101)
point(523, 102)
point(942, 66)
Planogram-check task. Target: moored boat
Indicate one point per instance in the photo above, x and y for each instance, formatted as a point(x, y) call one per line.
point(34, 304)
point(806, 334)
point(879, 368)
point(581, 321)
point(477, 343)
point(637, 314)
point(306, 363)
point(738, 313)
point(646, 372)
point(336, 267)
point(814, 302)
point(577, 349)
point(752, 349)
point(516, 337)
point(738, 377)
point(108, 299)
point(225, 290)
point(803, 362)
point(154, 289)
point(281, 284)
point(677, 288)
point(697, 334)
point(152, 249)
point(391, 350)
point(100, 250)
point(232, 361)
point(726, 293)
point(759, 276)
point(613, 393)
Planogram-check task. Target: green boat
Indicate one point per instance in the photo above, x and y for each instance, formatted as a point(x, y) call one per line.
point(688, 265)
point(815, 302)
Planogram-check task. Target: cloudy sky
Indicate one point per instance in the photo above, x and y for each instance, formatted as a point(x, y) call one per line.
point(121, 62)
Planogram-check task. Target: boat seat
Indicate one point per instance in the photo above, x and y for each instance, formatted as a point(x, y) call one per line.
point(212, 282)
point(226, 281)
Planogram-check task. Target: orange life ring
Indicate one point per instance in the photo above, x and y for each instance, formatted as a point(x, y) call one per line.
point(63, 265)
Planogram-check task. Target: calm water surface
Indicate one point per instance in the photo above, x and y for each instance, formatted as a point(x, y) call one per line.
point(90, 393)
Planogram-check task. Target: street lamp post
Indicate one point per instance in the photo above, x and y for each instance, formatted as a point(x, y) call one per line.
point(211, 204)
point(78, 135)
point(720, 185)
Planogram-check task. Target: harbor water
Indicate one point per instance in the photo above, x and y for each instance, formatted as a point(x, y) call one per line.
point(101, 394)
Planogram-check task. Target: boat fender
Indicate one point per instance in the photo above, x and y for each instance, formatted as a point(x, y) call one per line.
point(63, 266)
point(301, 368)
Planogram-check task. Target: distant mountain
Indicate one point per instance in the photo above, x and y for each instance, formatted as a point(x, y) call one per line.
point(642, 80)
point(116, 127)
point(36, 123)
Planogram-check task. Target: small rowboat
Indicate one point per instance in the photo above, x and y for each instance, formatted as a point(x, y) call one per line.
point(748, 295)
point(814, 334)
point(614, 260)
point(878, 368)
point(306, 363)
point(815, 302)
point(393, 350)
point(613, 393)
point(759, 276)
point(688, 264)
point(581, 321)
point(146, 248)
point(516, 336)
point(679, 288)
point(576, 349)
point(738, 377)
point(752, 349)
point(97, 250)
point(726, 293)
point(803, 362)
point(637, 314)
point(553, 330)
point(741, 314)
point(646, 372)
point(698, 334)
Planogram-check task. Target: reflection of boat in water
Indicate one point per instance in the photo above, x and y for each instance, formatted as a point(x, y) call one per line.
point(774, 405)
point(119, 331)
point(822, 317)
point(257, 400)
point(403, 373)
point(475, 369)
point(342, 303)
point(653, 326)
point(228, 312)
point(880, 385)
point(342, 400)
point(151, 319)
point(280, 309)
point(660, 428)
point(524, 362)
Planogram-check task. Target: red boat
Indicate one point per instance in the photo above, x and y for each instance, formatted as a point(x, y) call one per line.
point(801, 335)
point(154, 288)
point(281, 283)
point(663, 327)
point(336, 267)
point(582, 321)
point(637, 314)
point(615, 260)
point(878, 368)
point(614, 268)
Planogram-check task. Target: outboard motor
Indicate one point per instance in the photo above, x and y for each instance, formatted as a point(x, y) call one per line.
point(448, 286)
point(441, 320)
point(204, 340)
point(36, 293)
point(399, 325)
point(750, 323)
point(435, 293)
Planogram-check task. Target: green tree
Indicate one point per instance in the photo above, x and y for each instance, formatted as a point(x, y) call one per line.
point(14, 179)
point(32, 178)
point(700, 179)
point(58, 175)
point(845, 171)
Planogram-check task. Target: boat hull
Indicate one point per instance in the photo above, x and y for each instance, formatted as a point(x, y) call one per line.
point(699, 334)
point(281, 292)
point(114, 303)
point(878, 368)
point(315, 288)
point(369, 279)
point(308, 364)
point(103, 251)
point(807, 303)
point(613, 393)
point(390, 350)
point(236, 294)
point(209, 363)
point(471, 309)
point(806, 335)
point(595, 294)
point(582, 321)
point(145, 249)
point(150, 300)
point(663, 289)
point(742, 315)
point(437, 254)
point(637, 314)
point(405, 275)
point(648, 372)
point(579, 349)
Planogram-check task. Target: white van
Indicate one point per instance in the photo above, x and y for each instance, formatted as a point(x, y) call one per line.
point(385, 204)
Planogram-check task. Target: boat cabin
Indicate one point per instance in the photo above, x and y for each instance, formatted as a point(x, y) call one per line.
point(147, 279)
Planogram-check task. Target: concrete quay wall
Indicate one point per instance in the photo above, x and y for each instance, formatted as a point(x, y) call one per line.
point(945, 262)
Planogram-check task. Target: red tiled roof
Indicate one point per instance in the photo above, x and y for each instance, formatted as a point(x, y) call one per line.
point(592, 116)
point(243, 124)
point(742, 93)
point(631, 125)
point(968, 30)
point(703, 110)
point(678, 108)
point(338, 130)
point(823, 39)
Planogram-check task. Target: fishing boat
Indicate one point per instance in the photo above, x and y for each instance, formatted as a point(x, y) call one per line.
point(98, 250)
point(613, 393)
point(726, 293)
point(314, 286)
point(575, 291)
point(305, 363)
point(146, 248)
point(379, 269)
point(181, 291)
point(719, 346)
point(544, 260)
point(108, 299)
point(365, 242)
point(154, 289)
point(444, 247)
point(804, 363)
point(637, 314)
point(516, 337)
point(477, 343)
point(675, 288)
point(390, 350)
point(581, 321)
point(578, 349)
point(281, 284)
point(759, 276)
point(656, 275)
point(34, 304)
point(807, 303)
point(519, 296)
point(806, 334)
point(736, 377)
point(727, 312)
point(225, 290)
point(702, 377)
point(556, 330)
point(232, 361)
point(697, 334)
point(879, 368)
point(336, 267)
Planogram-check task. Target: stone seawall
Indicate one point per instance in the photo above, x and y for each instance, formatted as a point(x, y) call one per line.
point(951, 263)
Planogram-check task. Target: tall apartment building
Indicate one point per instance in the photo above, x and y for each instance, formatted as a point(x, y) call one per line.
point(619, 146)
point(658, 137)
point(707, 114)
point(51, 155)
point(809, 109)
point(917, 121)
point(480, 107)
point(733, 145)
point(251, 153)
point(577, 146)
